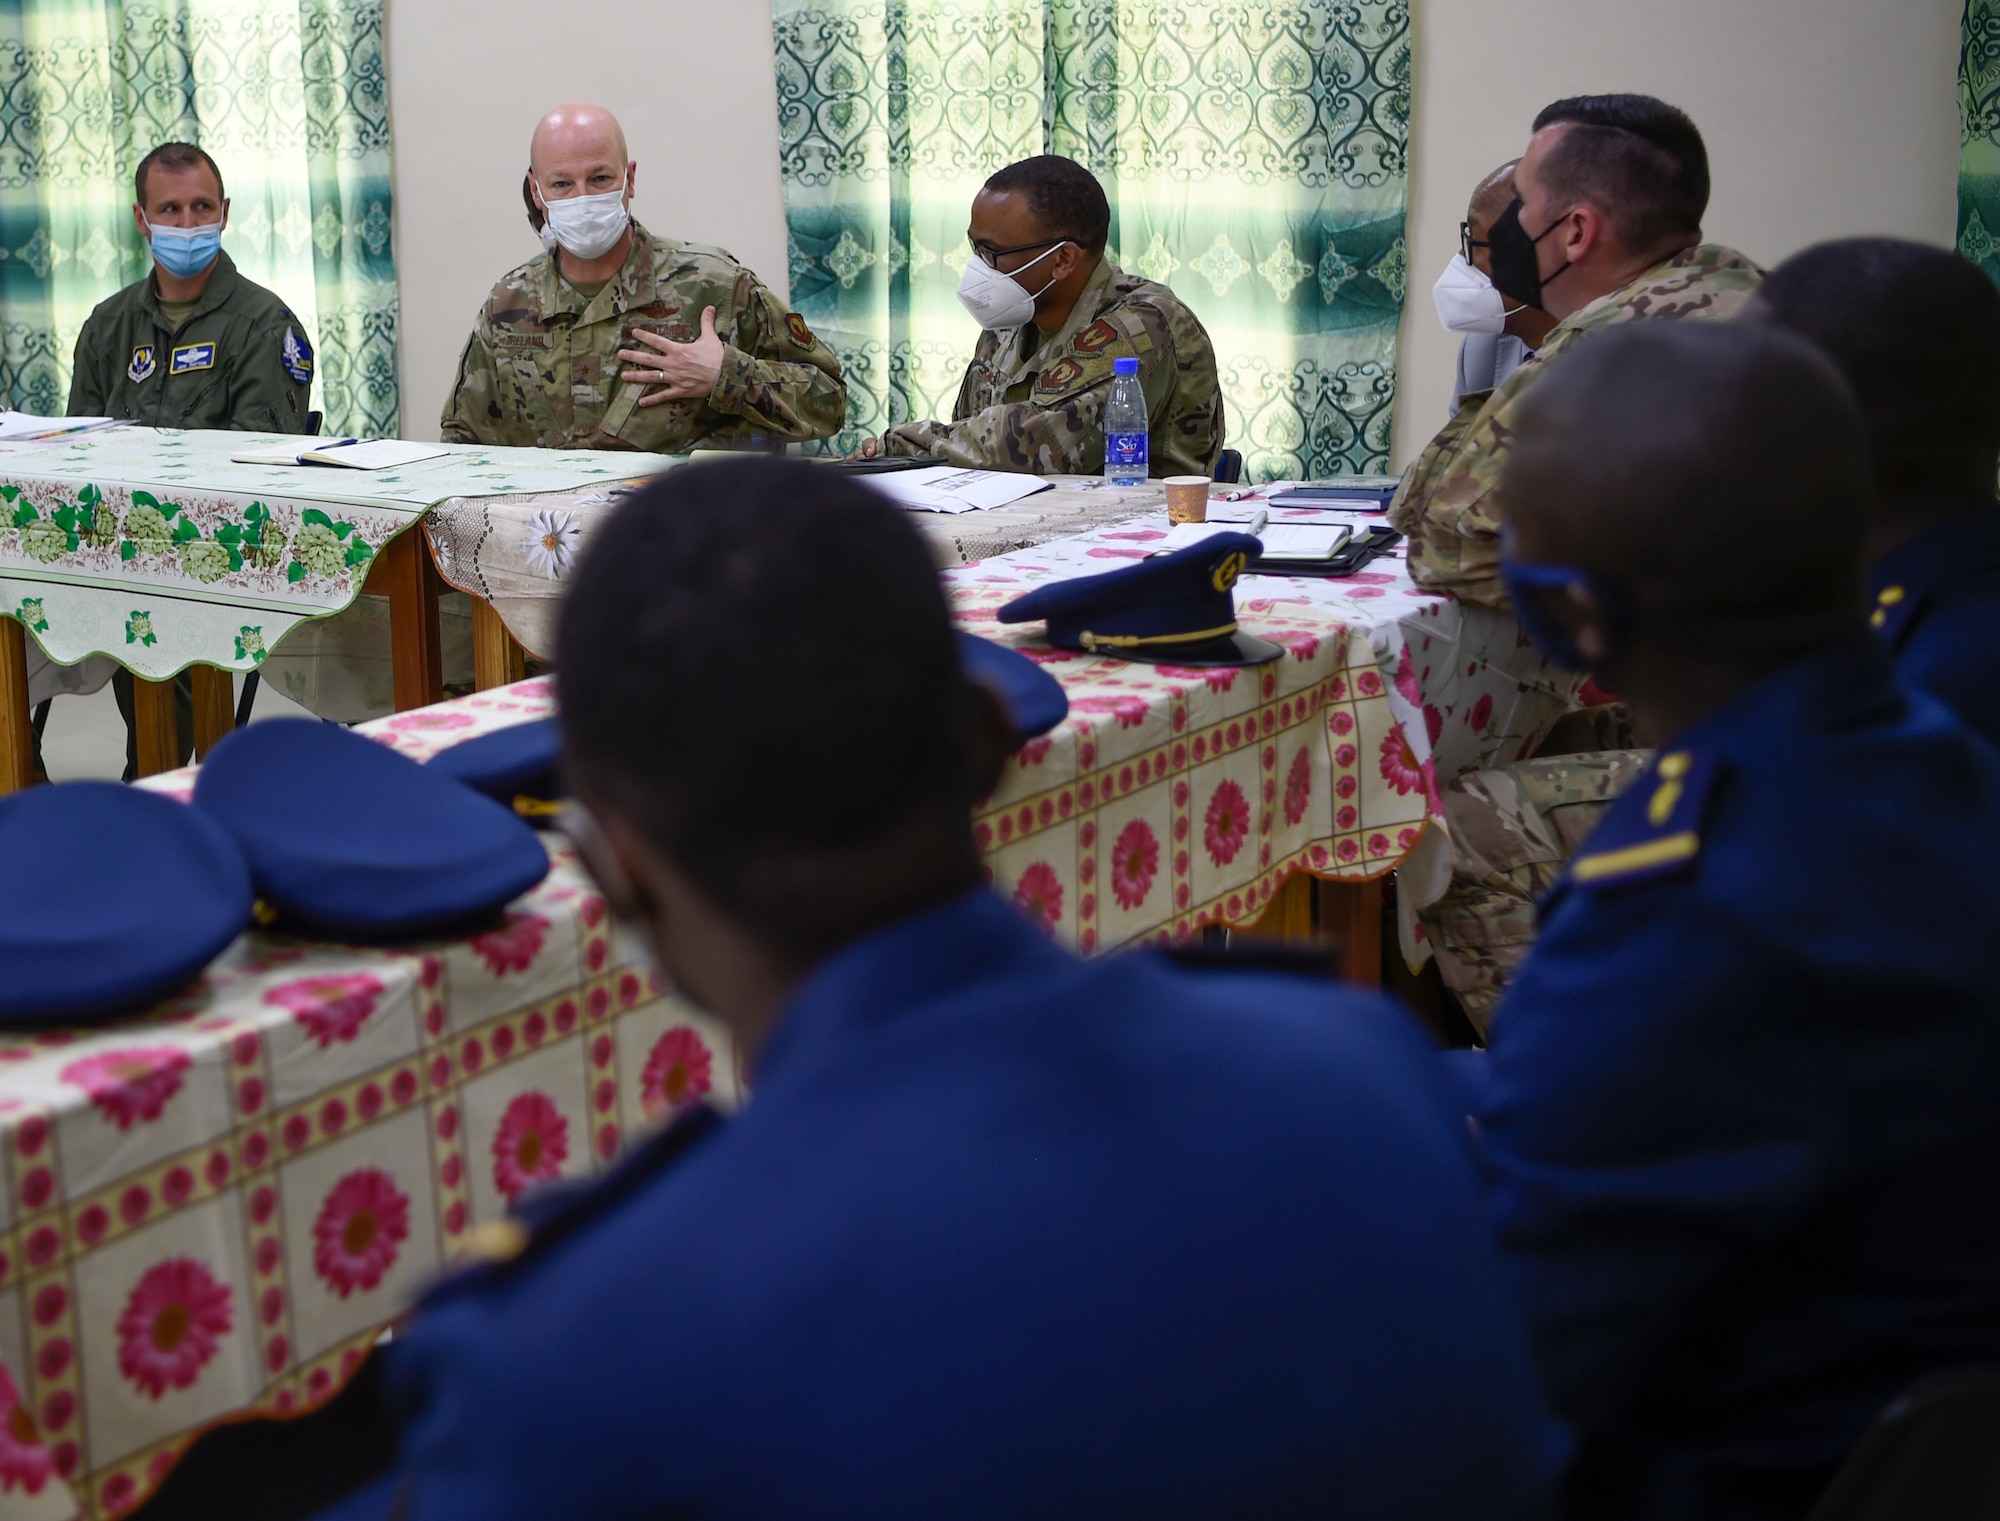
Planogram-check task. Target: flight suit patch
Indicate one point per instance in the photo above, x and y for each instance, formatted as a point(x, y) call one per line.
point(296, 356)
point(192, 356)
point(801, 334)
point(143, 363)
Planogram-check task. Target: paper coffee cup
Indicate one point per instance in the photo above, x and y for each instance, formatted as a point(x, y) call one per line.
point(1187, 498)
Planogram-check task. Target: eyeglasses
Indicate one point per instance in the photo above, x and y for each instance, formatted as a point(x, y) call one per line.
point(1467, 242)
point(991, 257)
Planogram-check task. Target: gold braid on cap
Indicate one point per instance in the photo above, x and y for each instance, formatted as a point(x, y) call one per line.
point(1092, 641)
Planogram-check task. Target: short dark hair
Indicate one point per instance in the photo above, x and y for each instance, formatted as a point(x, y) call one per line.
point(172, 156)
point(1063, 196)
point(1712, 474)
point(537, 218)
point(1639, 161)
point(1916, 331)
point(756, 665)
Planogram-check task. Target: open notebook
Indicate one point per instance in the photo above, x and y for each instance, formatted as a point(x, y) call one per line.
point(1294, 543)
point(348, 453)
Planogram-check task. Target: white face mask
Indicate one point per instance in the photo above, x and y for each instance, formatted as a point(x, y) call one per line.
point(999, 301)
point(548, 236)
point(1468, 302)
point(589, 226)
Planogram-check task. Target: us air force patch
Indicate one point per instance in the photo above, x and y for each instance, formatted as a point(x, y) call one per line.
point(802, 336)
point(297, 357)
point(143, 364)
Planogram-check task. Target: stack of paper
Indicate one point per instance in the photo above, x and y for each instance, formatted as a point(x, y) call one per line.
point(1296, 543)
point(25, 425)
point(946, 488)
point(349, 453)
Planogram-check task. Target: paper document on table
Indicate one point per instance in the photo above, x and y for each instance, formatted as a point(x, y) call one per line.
point(1300, 542)
point(21, 425)
point(348, 453)
point(950, 489)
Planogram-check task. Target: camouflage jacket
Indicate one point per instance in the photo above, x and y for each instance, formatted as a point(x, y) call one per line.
point(541, 367)
point(239, 360)
point(1446, 502)
point(1043, 412)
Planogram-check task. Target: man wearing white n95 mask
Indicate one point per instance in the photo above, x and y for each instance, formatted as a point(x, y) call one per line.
point(1056, 316)
point(617, 339)
point(1498, 333)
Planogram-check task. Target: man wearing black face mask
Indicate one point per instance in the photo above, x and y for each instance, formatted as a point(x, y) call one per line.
point(1605, 228)
point(1737, 1111)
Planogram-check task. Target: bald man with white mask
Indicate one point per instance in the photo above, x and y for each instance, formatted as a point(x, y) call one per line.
point(615, 338)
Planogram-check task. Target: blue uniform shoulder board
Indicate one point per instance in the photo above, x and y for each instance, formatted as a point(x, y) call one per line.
point(1896, 608)
point(297, 356)
point(1655, 829)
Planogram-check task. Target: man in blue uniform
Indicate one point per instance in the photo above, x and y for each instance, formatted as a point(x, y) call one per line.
point(1002, 1232)
point(1740, 1122)
point(1914, 330)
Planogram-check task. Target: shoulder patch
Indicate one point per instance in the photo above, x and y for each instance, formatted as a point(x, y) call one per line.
point(1896, 608)
point(1096, 338)
point(296, 355)
point(143, 363)
point(802, 336)
point(1064, 375)
point(1655, 830)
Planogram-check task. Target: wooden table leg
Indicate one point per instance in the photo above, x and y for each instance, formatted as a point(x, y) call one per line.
point(214, 707)
point(17, 745)
point(497, 657)
point(403, 572)
point(155, 726)
point(1289, 914)
point(1352, 913)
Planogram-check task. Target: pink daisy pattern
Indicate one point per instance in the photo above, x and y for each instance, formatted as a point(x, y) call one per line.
point(679, 1070)
point(24, 1462)
point(514, 946)
point(1298, 787)
point(130, 1085)
point(174, 1320)
point(531, 1144)
point(1135, 862)
point(1227, 823)
point(360, 1230)
point(1400, 768)
point(331, 1008)
point(1039, 895)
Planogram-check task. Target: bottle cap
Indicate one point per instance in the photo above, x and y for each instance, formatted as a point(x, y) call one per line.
point(1125, 366)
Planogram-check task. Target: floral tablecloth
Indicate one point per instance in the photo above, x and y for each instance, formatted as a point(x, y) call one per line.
point(150, 546)
point(219, 1205)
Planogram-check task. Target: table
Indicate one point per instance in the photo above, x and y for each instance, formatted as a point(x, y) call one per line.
point(151, 546)
point(218, 1206)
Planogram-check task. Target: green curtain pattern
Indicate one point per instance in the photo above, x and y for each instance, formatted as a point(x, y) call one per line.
point(1253, 152)
point(1979, 135)
point(291, 99)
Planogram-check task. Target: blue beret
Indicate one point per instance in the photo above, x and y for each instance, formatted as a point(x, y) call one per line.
point(114, 898)
point(1175, 608)
point(1034, 700)
point(519, 767)
point(346, 837)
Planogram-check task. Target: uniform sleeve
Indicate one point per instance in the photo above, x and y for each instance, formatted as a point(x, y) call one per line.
point(1654, 1117)
point(266, 391)
point(89, 384)
point(777, 376)
point(468, 412)
point(1059, 429)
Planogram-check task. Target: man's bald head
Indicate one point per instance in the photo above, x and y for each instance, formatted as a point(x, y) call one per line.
point(573, 145)
point(1712, 477)
point(1491, 198)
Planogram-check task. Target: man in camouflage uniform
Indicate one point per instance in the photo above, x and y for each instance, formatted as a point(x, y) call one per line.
point(1605, 228)
point(617, 339)
point(1034, 394)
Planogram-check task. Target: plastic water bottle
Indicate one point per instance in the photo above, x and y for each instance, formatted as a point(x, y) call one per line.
point(1125, 427)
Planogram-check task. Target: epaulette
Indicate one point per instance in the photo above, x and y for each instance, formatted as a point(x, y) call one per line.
point(1656, 837)
point(552, 1214)
point(1896, 608)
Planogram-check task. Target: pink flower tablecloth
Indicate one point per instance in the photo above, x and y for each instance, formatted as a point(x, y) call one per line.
point(1173, 798)
point(219, 1205)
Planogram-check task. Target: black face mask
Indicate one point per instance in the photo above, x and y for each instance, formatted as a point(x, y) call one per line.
point(1517, 271)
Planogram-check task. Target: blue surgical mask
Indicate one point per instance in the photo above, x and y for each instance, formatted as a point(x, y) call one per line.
point(185, 251)
point(1528, 588)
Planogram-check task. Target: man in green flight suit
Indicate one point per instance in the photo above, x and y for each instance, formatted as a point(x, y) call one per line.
point(191, 344)
point(1056, 316)
point(611, 339)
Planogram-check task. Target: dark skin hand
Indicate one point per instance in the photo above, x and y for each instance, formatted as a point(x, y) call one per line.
point(1002, 219)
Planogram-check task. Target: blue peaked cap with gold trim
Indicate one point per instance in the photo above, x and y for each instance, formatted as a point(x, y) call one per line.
point(1655, 829)
point(1177, 608)
point(518, 767)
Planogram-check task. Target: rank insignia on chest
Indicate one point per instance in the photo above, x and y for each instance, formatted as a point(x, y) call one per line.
point(1096, 338)
point(296, 356)
point(1656, 828)
point(143, 363)
point(1064, 372)
point(192, 356)
point(802, 335)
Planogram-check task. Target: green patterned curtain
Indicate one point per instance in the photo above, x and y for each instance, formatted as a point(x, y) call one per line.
point(288, 96)
point(1979, 135)
point(1253, 151)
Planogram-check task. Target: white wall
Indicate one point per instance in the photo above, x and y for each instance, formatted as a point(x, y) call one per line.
point(690, 79)
point(1823, 117)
